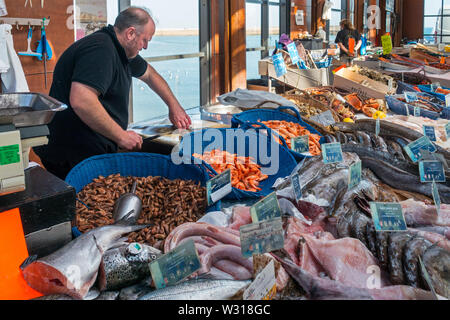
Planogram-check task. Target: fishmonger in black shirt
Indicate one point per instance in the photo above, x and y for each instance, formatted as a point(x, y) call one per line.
point(342, 39)
point(93, 78)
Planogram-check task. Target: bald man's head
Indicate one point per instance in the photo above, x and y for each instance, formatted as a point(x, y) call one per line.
point(134, 29)
point(133, 17)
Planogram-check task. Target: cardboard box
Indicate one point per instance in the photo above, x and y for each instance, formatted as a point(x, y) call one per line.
point(300, 79)
point(365, 87)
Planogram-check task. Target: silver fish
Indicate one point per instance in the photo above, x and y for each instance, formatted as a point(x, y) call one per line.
point(136, 291)
point(198, 290)
point(124, 266)
point(72, 270)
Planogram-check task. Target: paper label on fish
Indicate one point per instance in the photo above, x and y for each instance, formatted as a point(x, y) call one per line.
point(295, 181)
point(426, 276)
point(388, 216)
point(416, 111)
point(411, 96)
point(293, 52)
point(430, 132)
point(431, 171)
point(325, 118)
point(354, 177)
point(264, 286)
point(447, 131)
point(266, 209)
point(300, 144)
point(9, 154)
point(332, 153)
point(414, 149)
point(218, 187)
point(262, 237)
point(447, 100)
point(436, 197)
point(278, 63)
point(175, 266)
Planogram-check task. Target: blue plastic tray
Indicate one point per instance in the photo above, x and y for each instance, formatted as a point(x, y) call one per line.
point(252, 119)
point(136, 165)
point(399, 107)
point(251, 143)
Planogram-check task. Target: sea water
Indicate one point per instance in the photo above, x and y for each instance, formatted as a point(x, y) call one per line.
point(183, 75)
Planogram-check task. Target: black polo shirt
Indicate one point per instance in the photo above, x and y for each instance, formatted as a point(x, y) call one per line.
point(344, 35)
point(98, 61)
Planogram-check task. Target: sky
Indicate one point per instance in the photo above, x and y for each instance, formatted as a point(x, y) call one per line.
point(183, 14)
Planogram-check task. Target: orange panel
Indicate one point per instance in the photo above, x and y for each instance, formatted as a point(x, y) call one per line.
point(13, 251)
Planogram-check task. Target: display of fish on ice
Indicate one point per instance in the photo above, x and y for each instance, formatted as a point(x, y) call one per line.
point(73, 269)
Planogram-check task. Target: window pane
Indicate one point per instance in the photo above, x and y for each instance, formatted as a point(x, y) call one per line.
point(334, 25)
point(274, 21)
point(430, 25)
point(445, 26)
point(253, 38)
point(183, 77)
point(432, 7)
point(177, 32)
point(337, 4)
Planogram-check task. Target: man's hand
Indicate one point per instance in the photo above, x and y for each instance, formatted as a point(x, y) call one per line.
point(130, 141)
point(179, 117)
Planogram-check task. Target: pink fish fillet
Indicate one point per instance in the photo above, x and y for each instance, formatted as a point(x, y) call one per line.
point(241, 217)
point(345, 260)
point(417, 213)
point(296, 247)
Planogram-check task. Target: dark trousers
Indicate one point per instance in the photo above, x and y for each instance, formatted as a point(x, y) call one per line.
point(61, 170)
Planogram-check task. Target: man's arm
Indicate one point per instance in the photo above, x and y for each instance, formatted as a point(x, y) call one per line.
point(358, 45)
point(84, 102)
point(343, 48)
point(157, 83)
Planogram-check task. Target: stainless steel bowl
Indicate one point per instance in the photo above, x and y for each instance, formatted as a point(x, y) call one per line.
point(28, 109)
point(219, 113)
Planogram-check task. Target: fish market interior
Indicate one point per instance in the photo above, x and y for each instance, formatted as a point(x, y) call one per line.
point(225, 150)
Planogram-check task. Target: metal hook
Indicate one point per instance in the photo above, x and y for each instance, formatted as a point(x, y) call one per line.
point(17, 26)
point(29, 26)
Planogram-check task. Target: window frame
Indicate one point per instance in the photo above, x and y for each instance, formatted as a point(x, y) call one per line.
point(204, 54)
point(441, 16)
point(343, 10)
point(283, 5)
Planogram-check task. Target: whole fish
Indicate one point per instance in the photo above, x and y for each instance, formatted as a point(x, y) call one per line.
point(198, 290)
point(108, 295)
point(437, 263)
point(126, 265)
point(386, 129)
point(325, 289)
point(397, 242)
point(136, 291)
point(414, 249)
point(73, 269)
point(402, 180)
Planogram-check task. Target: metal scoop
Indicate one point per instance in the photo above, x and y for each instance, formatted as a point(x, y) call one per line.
point(128, 205)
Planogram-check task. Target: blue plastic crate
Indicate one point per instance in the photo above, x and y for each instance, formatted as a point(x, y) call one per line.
point(252, 119)
point(136, 165)
point(427, 89)
point(403, 87)
point(399, 107)
point(324, 64)
point(252, 143)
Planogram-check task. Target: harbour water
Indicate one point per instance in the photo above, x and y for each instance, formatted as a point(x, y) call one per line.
point(183, 76)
